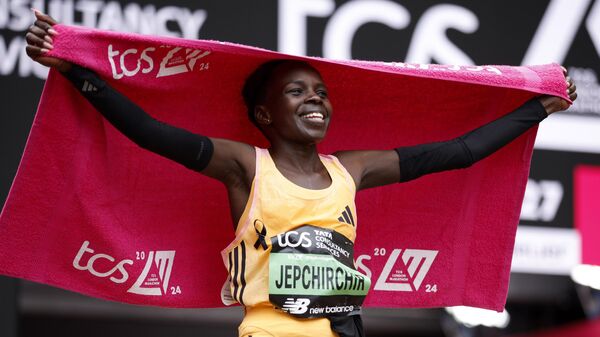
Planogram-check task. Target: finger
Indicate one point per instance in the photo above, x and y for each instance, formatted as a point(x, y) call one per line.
point(33, 51)
point(573, 96)
point(46, 60)
point(39, 32)
point(46, 27)
point(42, 24)
point(35, 40)
point(44, 17)
point(564, 71)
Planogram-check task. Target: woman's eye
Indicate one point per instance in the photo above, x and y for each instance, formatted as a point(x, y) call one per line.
point(322, 93)
point(295, 92)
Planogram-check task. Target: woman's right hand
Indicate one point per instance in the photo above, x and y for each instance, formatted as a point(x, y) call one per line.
point(39, 41)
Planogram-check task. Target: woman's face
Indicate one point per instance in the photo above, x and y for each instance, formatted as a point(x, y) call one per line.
point(296, 106)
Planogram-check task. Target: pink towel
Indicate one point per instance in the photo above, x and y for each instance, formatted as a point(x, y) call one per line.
point(91, 212)
point(586, 183)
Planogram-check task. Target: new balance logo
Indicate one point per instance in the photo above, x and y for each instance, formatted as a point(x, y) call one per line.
point(88, 87)
point(347, 217)
point(406, 276)
point(298, 306)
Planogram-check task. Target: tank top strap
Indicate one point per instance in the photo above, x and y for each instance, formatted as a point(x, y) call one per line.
point(334, 166)
point(263, 161)
point(259, 165)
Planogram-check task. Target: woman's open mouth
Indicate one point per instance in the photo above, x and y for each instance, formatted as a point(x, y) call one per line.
point(313, 116)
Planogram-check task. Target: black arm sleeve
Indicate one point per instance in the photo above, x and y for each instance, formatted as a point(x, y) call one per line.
point(469, 148)
point(189, 149)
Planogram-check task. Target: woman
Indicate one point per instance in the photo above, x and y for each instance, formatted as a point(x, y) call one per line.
point(284, 197)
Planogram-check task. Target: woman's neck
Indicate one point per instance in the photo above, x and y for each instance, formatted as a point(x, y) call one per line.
point(295, 157)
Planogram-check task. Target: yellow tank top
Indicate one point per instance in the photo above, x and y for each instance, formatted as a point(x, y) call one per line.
point(282, 214)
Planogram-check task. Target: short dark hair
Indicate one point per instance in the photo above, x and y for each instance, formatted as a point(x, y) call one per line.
point(255, 87)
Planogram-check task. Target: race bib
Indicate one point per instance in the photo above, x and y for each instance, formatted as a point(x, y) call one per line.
point(312, 274)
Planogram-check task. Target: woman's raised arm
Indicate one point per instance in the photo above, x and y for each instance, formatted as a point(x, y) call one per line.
point(377, 168)
point(228, 161)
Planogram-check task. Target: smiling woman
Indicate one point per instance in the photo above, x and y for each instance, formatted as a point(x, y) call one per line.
point(296, 104)
point(255, 87)
point(307, 284)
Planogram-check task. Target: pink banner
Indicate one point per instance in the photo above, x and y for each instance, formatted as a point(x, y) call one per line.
point(587, 213)
point(91, 212)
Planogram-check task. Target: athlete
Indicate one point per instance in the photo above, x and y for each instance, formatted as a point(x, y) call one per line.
point(277, 191)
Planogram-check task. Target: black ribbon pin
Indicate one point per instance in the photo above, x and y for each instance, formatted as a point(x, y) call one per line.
point(261, 235)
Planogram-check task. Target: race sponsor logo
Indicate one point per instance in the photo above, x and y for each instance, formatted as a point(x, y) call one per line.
point(312, 274)
point(88, 87)
point(118, 269)
point(347, 216)
point(237, 274)
point(173, 61)
point(558, 29)
point(174, 64)
point(424, 26)
point(131, 17)
point(298, 306)
point(336, 309)
point(294, 239)
point(148, 19)
point(447, 68)
point(429, 40)
point(397, 276)
point(404, 269)
point(153, 280)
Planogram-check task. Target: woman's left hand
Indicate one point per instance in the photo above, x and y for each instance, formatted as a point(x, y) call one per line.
point(554, 104)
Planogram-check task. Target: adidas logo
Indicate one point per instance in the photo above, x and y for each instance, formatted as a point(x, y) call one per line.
point(88, 87)
point(347, 217)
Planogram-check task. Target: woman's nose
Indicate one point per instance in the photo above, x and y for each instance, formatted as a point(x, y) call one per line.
point(313, 97)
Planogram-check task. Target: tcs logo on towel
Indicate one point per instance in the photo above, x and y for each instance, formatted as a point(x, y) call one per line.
point(177, 60)
point(153, 279)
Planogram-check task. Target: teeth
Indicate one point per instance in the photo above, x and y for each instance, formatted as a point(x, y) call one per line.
point(314, 115)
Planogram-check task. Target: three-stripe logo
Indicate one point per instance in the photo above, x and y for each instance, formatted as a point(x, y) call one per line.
point(88, 87)
point(347, 216)
point(237, 271)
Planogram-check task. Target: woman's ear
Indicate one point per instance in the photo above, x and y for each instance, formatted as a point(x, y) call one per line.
point(262, 115)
